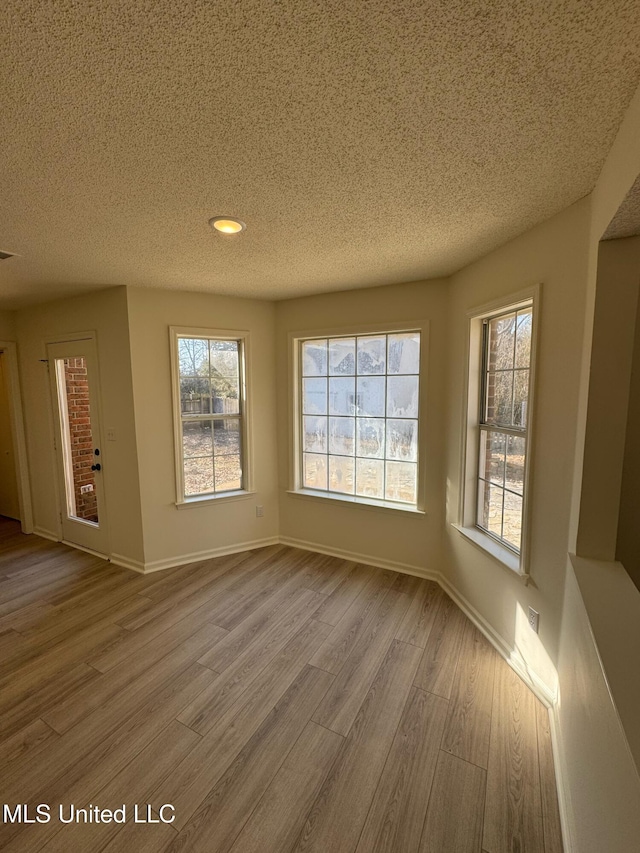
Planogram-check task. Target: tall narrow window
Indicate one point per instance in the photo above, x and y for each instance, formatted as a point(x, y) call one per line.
point(503, 424)
point(209, 378)
point(358, 416)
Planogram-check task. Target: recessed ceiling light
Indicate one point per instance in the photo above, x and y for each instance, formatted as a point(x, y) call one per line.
point(227, 224)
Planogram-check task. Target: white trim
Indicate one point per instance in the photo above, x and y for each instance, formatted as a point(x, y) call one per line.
point(509, 559)
point(403, 568)
point(244, 415)
point(127, 563)
point(562, 786)
point(224, 497)
point(357, 500)
point(294, 379)
point(16, 418)
point(197, 556)
point(468, 445)
point(46, 534)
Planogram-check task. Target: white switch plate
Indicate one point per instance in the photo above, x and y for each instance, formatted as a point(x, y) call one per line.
point(259, 512)
point(534, 619)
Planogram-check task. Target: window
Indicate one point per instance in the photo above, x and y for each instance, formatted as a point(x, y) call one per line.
point(358, 416)
point(210, 414)
point(498, 437)
point(506, 363)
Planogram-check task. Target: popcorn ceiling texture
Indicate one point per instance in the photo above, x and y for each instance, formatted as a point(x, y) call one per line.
point(362, 143)
point(626, 222)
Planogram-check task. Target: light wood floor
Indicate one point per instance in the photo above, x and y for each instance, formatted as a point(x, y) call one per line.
point(279, 700)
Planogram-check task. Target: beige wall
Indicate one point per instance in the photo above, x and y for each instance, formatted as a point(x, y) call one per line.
point(554, 255)
point(618, 279)
point(7, 326)
point(105, 313)
point(628, 537)
point(382, 535)
point(170, 534)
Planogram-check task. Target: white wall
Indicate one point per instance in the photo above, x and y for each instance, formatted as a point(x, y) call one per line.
point(105, 313)
point(172, 535)
point(378, 534)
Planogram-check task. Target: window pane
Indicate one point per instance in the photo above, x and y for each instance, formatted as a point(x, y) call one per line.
point(404, 353)
point(372, 352)
point(402, 440)
point(342, 356)
point(490, 507)
point(402, 397)
point(523, 338)
point(341, 474)
point(371, 390)
point(499, 391)
point(501, 342)
point(196, 438)
point(198, 476)
point(370, 478)
point(193, 356)
point(520, 397)
point(314, 396)
point(512, 528)
point(515, 463)
point(370, 437)
point(314, 358)
point(342, 435)
point(315, 471)
point(226, 437)
point(342, 396)
point(195, 396)
point(401, 482)
point(228, 473)
point(492, 456)
point(315, 434)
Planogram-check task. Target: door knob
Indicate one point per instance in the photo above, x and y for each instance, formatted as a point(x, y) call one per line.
point(97, 467)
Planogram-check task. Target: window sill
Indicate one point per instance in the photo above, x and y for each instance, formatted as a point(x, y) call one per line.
point(363, 503)
point(503, 555)
point(204, 500)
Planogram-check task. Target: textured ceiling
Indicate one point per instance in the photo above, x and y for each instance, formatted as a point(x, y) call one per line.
point(362, 143)
point(626, 222)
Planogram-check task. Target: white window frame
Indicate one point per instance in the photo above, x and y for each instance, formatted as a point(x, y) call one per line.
point(184, 501)
point(467, 511)
point(296, 487)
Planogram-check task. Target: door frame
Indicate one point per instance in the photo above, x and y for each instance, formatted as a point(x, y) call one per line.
point(16, 418)
point(69, 338)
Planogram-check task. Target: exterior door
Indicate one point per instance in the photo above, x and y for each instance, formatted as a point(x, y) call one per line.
point(73, 375)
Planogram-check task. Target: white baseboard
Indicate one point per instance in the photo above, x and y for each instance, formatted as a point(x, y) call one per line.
point(561, 785)
point(197, 556)
point(127, 563)
point(46, 534)
point(510, 654)
point(403, 568)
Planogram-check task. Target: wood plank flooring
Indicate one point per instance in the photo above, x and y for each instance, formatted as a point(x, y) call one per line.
point(279, 700)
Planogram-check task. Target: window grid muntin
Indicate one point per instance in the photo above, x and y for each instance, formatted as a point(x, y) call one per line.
point(486, 427)
point(197, 417)
point(384, 459)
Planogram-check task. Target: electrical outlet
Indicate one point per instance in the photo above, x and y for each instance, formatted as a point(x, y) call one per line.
point(111, 434)
point(85, 489)
point(534, 619)
point(259, 511)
